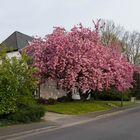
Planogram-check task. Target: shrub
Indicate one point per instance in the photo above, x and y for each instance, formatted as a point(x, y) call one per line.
point(136, 86)
point(52, 101)
point(27, 114)
point(112, 95)
point(64, 99)
point(42, 101)
point(17, 84)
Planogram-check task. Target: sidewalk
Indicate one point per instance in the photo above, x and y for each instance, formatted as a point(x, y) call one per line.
point(23, 129)
point(54, 120)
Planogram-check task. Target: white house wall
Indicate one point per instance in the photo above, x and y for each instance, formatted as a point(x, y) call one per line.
point(49, 90)
point(14, 54)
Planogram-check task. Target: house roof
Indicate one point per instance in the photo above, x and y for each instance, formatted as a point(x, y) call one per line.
point(16, 41)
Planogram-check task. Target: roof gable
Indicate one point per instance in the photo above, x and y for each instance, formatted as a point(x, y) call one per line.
point(16, 41)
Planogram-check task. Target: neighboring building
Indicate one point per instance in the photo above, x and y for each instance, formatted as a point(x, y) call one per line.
point(13, 44)
point(49, 90)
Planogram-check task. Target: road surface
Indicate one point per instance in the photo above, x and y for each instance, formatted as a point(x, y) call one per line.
point(123, 126)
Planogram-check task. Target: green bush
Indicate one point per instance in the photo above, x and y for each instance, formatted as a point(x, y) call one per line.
point(112, 95)
point(136, 85)
point(17, 84)
point(44, 101)
point(27, 114)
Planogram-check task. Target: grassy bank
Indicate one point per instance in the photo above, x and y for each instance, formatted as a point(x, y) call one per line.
point(76, 108)
point(79, 107)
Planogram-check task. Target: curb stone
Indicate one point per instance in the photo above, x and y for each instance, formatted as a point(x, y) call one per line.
point(19, 130)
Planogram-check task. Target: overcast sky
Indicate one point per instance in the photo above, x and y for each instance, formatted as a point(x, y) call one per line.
point(37, 17)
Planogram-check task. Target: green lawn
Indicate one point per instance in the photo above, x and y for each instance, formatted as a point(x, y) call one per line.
point(79, 107)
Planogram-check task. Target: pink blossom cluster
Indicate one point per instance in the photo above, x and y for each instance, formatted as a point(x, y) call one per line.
point(77, 58)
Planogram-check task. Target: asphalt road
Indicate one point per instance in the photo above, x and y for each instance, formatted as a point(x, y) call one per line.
point(123, 126)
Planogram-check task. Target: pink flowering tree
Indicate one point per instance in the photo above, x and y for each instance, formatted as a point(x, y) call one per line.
point(77, 58)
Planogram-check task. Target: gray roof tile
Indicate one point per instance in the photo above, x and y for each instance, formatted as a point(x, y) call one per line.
point(16, 41)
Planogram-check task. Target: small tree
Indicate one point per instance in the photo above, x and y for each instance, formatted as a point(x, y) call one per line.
point(111, 33)
point(17, 83)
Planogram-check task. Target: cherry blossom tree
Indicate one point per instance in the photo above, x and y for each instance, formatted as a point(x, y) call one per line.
point(77, 58)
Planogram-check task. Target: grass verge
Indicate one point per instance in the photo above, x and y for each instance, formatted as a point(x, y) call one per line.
point(80, 107)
